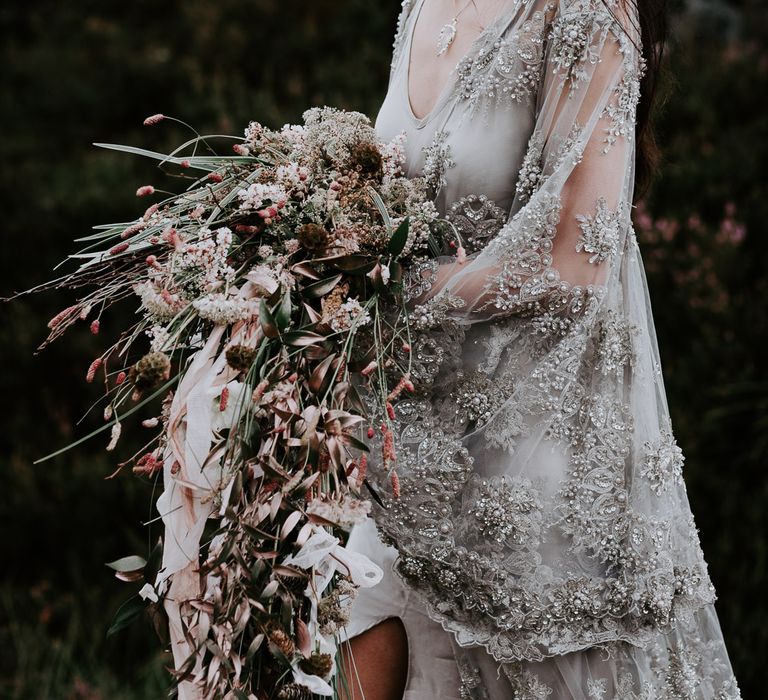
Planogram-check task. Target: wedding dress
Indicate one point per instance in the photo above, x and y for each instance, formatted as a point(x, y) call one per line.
point(542, 544)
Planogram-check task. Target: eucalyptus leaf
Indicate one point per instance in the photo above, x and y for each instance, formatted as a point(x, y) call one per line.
point(131, 563)
point(399, 238)
point(126, 613)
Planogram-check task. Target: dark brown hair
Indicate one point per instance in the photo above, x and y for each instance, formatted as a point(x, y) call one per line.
point(653, 26)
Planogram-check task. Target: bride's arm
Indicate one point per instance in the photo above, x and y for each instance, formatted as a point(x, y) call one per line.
point(575, 187)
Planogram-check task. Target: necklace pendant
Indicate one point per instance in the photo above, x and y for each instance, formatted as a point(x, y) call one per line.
point(446, 37)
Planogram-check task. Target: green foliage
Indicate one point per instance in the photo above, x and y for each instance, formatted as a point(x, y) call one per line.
point(73, 75)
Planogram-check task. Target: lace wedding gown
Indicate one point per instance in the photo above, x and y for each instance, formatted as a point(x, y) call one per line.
point(542, 545)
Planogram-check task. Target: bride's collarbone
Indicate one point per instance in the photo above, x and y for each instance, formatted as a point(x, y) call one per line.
point(428, 73)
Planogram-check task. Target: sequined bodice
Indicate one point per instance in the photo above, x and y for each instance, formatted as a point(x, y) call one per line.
point(467, 151)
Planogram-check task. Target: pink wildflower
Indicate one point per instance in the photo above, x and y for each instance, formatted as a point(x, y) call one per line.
point(406, 347)
point(461, 255)
point(91, 374)
point(121, 377)
point(117, 428)
point(95, 326)
point(258, 392)
point(395, 479)
point(145, 190)
point(390, 411)
point(154, 119)
point(361, 470)
point(61, 316)
point(388, 448)
point(150, 423)
point(224, 399)
point(368, 369)
point(133, 229)
point(371, 432)
point(150, 210)
point(119, 248)
point(404, 383)
point(185, 163)
point(240, 149)
point(147, 464)
point(215, 177)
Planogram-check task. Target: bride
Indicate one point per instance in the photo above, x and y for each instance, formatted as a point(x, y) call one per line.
point(539, 543)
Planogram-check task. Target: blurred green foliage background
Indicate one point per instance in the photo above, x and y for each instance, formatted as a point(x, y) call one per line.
point(78, 72)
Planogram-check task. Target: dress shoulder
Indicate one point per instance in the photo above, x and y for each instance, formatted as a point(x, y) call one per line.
point(406, 8)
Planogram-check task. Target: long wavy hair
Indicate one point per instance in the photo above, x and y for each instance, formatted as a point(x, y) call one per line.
point(653, 20)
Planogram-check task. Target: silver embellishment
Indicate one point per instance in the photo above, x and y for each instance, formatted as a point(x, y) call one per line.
point(437, 161)
point(600, 233)
point(663, 463)
point(477, 219)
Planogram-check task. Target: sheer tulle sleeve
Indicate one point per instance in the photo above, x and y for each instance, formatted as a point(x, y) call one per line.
point(571, 213)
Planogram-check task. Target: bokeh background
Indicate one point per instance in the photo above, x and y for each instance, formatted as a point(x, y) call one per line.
point(77, 72)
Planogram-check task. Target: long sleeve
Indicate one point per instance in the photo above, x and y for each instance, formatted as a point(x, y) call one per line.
point(573, 198)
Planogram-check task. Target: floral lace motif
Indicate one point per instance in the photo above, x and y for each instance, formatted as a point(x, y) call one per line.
point(437, 161)
point(601, 233)
point(508, 70)
point(663, 463)
point(477, 219)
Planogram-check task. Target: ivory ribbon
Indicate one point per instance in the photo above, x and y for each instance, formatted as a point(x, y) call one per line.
point(186, 503)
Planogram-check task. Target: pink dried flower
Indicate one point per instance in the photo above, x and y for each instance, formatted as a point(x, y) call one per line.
point(133, 229)
point(404, 383)
point(185, 163)
point(395, 479)
point(61, 316)
point(224, 399)
point(95, 326)
point(240, 149)
point(388, 448)
point(244, 228)
point(371, 433)
point(406, 347)
point(85, 311)
point(119, 248)
point(461, 255)
point(258, 392)
point(117, 428)
point(215, 177)
point(154, 119)
point(91, 374)
point(368, 370)
point(390, 411)
point(108, 412)
point(145, 190)
point(150, 423)
point(121, 377)
point(361, 470)
point(147, 464)
point(150, 210)
point(152, 261)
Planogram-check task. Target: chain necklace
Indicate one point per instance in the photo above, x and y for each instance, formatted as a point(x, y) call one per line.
point(448, 31)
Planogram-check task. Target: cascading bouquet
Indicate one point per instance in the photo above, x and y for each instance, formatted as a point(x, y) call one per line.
point(272, 337)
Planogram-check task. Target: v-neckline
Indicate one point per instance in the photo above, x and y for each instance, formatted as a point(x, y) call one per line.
point(449, 85)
